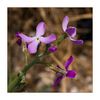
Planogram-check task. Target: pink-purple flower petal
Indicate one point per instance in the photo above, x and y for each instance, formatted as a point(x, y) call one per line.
point(59, 77)
point(65, 23)
point(24, 38)
point(48, 39)
point(71, 73)
point(32, 47)
point(78, 42)
point(40, 29)
point(68, 62)
point(71, 31)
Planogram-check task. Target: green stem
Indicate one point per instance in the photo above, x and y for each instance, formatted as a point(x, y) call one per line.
point(27, 67)
point(14, 83)
point(61, 38)
point(18, 78)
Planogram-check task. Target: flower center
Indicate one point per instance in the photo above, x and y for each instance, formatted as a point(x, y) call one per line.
point(37, 39)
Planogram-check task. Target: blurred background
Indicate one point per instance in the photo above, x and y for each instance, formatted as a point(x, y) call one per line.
point(39, 78)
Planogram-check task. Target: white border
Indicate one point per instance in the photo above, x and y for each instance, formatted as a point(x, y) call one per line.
point(3, 50)
point(47, 3)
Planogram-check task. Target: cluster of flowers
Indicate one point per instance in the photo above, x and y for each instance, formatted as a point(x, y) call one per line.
point(32, 44)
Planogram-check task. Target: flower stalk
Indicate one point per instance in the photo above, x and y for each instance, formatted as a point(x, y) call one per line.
point(20, 76)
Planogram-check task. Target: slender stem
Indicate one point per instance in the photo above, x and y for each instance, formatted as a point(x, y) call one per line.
point(61, 38)
point(56, 60)
point(27, 67)
point(14, 83)
point(18, 78)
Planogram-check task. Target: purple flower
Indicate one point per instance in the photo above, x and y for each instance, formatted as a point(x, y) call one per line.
point(62, 73)
point(71, 31)
point(52, 48)
point(33, 42)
